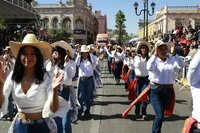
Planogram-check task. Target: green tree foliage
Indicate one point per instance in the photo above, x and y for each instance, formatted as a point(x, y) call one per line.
point(120, 26)
point(59, 34)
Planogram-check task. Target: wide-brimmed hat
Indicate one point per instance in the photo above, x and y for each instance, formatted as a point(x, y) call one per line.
point(84, 48)
point(161, 43)
point(31, 40)
point(139, 44)
point(65, 46)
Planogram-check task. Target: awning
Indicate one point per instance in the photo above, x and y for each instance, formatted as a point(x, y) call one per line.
point(13, 9)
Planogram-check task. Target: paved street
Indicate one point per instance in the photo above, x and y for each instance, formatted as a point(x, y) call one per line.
point(112, 100)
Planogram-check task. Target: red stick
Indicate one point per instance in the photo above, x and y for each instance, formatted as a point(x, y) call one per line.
point(125, 113)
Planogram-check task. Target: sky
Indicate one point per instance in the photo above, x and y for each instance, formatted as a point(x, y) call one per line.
point(111, 7)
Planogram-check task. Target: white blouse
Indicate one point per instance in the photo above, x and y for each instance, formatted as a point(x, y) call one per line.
point(162, 72)
point(37, 99)
point(194, 81)
point(140, 66)
point(85, 67)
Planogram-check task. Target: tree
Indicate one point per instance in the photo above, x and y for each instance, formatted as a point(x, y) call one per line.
point(120, 26)
point(59, 34)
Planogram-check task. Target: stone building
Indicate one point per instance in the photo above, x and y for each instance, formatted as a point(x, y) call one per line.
point(102, 20)
point(75, 16)
point(171, 17)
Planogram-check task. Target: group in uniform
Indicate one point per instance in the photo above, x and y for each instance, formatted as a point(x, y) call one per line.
point(41, 81)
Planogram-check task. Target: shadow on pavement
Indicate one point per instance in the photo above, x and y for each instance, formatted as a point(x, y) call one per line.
point(112, 95)
point(105, 103)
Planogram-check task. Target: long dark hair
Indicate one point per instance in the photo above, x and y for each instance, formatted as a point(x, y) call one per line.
point(89, 58)
point(62, 53)
point(147, 53)
point(19, 68)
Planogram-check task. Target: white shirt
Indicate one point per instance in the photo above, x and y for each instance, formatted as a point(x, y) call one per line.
point(85, 67)
point(37, 99)
point(69, 71)
point(131, 63)
point(126, 60)
point(140, 66)
point(194, 81)
point(118, 56)
point(163, 72)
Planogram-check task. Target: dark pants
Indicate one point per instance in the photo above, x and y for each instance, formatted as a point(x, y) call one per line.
point(117, 70)
point(160, 99)
point(142, 83)
point(109, 64)
point(131, 76)
point(85, 94)
point(125, 71)
point(196, 131)
point(31, 128)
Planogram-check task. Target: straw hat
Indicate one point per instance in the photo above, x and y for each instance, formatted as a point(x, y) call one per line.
point(65, 46)
point(31, 40)
point(161, 43)
point(139, 44)
point(84, 48)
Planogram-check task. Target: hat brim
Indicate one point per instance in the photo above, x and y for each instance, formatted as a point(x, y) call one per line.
point(143, 43)
point(65, 46)
point(44, 47)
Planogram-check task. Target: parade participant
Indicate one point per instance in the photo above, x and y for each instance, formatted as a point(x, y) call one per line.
point(63, 63)
point(97, 71)
point(161, 67)
point(85, 82)
point(118, 63)
point(194, 81)
point(125, 67)
point(131, 65)
point(33, 90)
point(109, 55)
point(141, 73)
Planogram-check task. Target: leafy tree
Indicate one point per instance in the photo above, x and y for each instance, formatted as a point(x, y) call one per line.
point(120, 26)
point(59, 34)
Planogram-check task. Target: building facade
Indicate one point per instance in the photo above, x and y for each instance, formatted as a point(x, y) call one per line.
point(75, 16)
point(171, 17)
point(102, 20)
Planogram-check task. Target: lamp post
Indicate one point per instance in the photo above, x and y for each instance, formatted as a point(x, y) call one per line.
point(146, 14)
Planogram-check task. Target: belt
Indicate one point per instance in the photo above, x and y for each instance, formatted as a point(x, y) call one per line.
point(162, 85)
point(31, 122)
point(86, 78)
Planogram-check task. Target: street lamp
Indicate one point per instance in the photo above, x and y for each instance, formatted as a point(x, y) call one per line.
point(146, 14)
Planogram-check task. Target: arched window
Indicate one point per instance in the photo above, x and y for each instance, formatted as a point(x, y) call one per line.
point(55, 23)
point(66, 24)
point(79, 24)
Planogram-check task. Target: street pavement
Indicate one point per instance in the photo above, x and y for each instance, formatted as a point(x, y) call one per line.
point(111, 102)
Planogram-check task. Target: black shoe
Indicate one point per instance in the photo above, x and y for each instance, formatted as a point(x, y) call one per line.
point(87, 115)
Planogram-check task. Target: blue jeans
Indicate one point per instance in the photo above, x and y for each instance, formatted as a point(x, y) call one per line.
point(85, 94)
point(196, 131)
point(63, 123)
point(117, 70)
point(132, 75)
point(142, 83)
point(160, 99)
point(31, 128)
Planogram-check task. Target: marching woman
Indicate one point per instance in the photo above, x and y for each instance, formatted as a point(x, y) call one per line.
point(62, 63)
point(194, 81)
point(32, 88)
point(141, 73)
point(161, 67)
point(86, 85)
point(118, 63)
point(125, 65)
